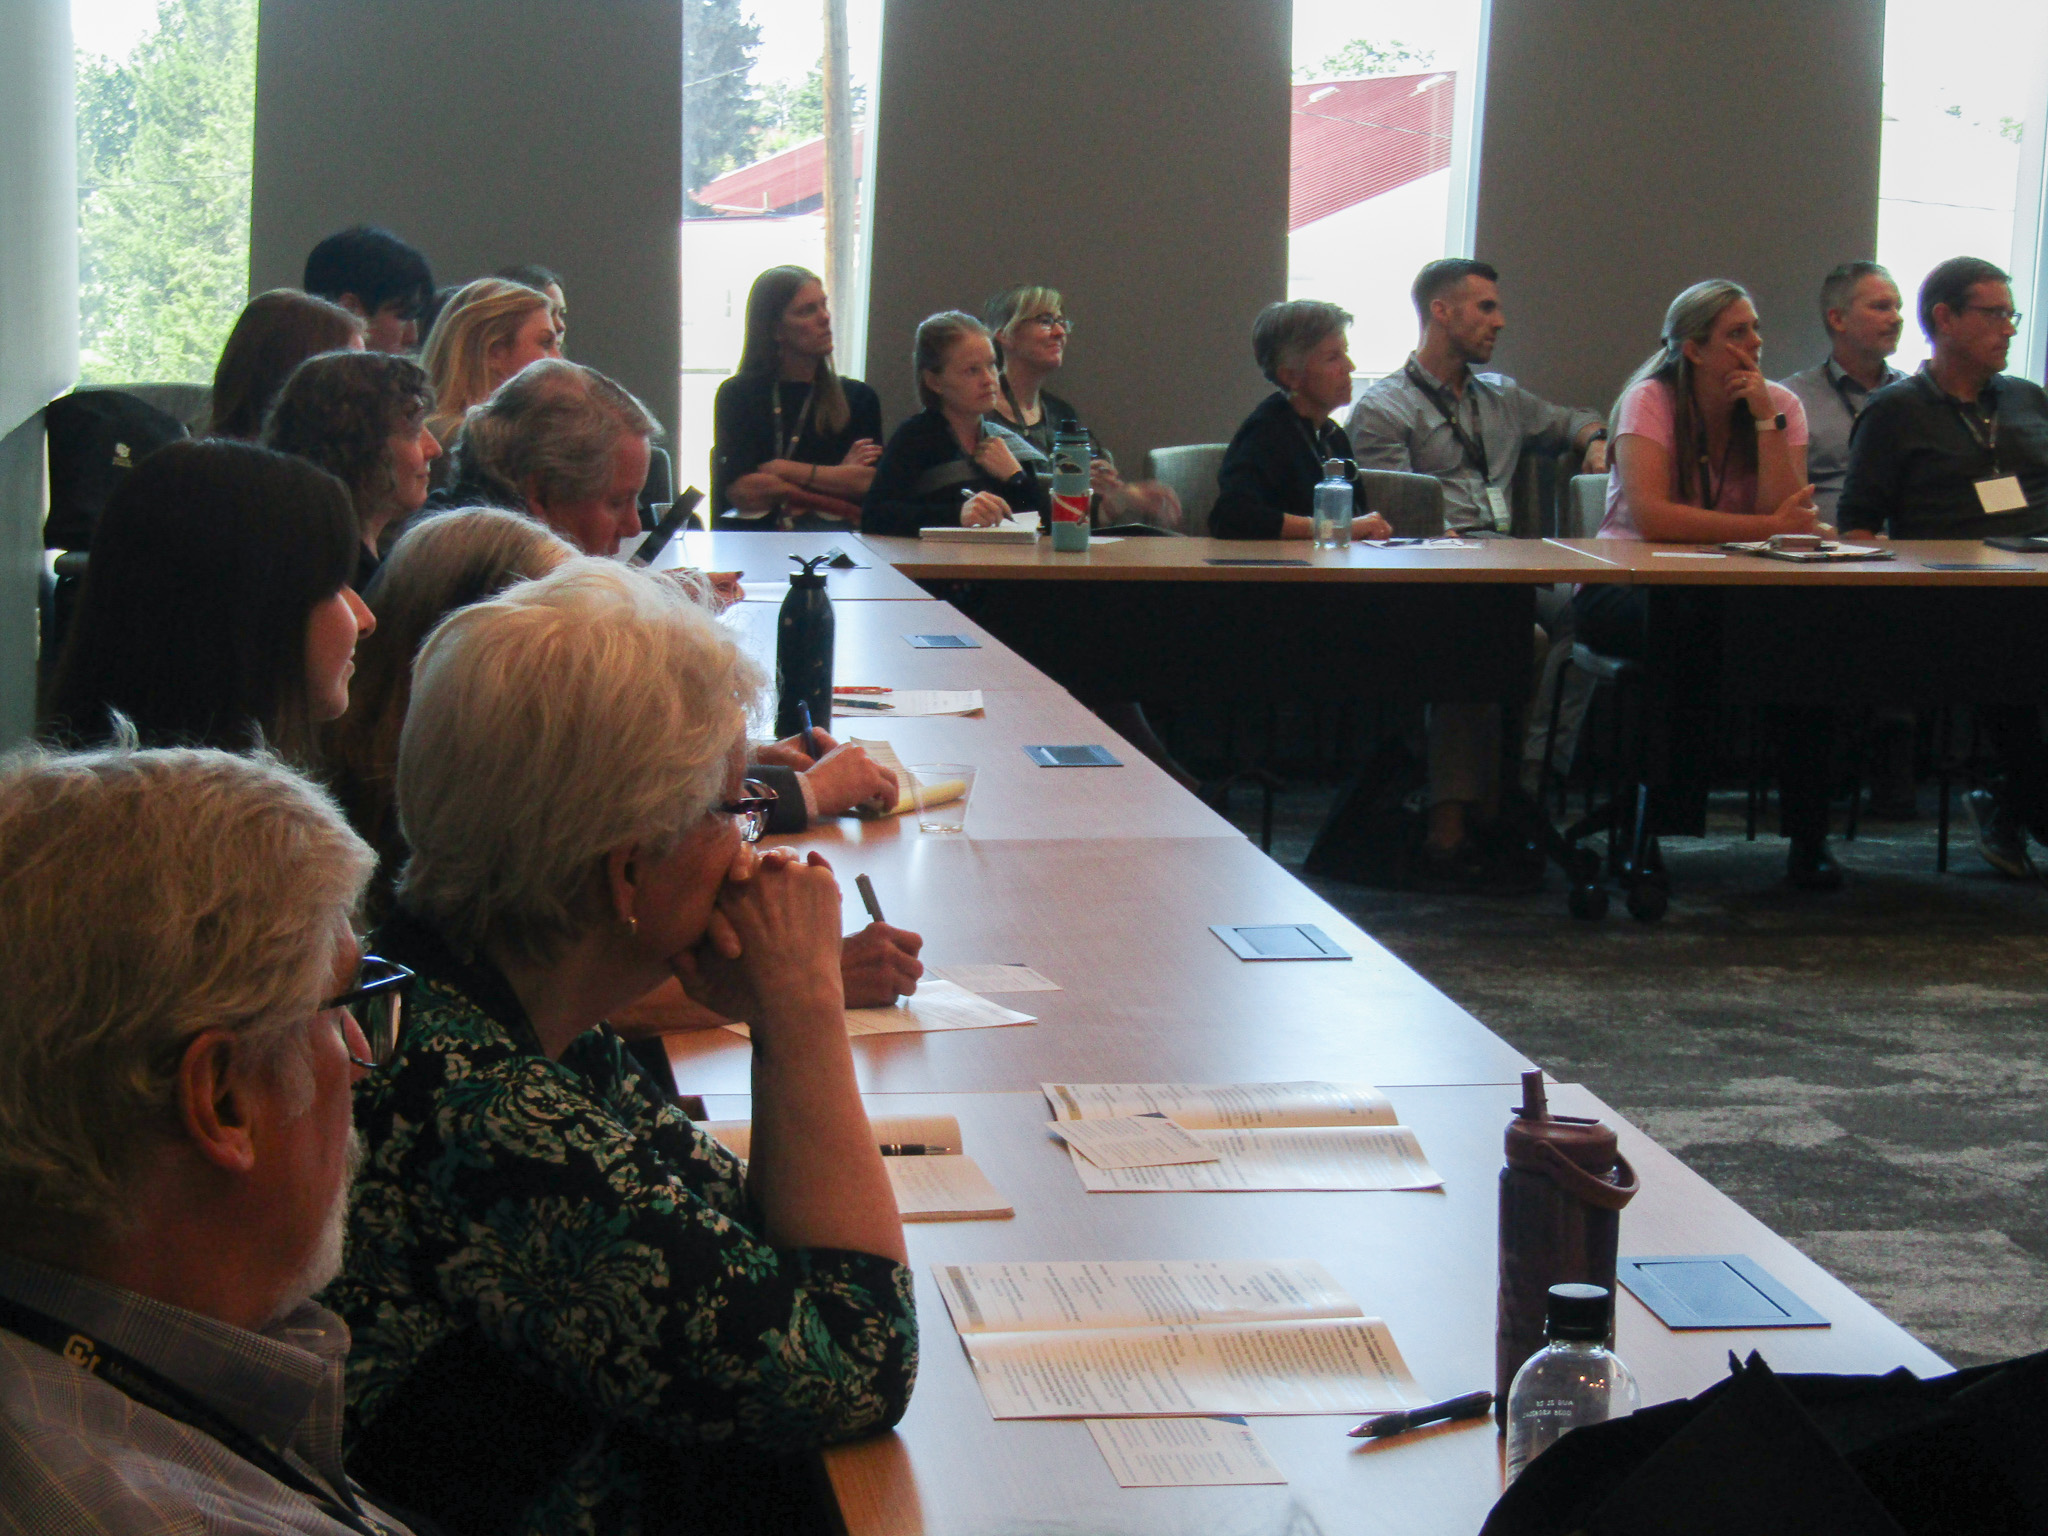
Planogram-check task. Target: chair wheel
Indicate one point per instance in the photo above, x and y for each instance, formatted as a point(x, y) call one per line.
point(1588, 902)
point(1647, 901)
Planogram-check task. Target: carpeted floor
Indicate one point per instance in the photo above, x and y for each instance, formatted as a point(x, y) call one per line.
point(1867, 1072)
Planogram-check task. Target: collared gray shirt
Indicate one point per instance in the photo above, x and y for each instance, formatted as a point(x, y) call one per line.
point(1397, 424)
point(79, 1457)
point(1833, 401)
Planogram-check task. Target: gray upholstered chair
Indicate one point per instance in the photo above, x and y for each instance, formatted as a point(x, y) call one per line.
point(1191, 471)
point(1588, 506)
point(1413, 504)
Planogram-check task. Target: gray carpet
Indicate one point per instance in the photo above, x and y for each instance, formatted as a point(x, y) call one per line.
point(1866, 1071)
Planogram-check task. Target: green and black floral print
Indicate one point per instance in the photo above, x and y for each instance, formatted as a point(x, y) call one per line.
point(552, 1252)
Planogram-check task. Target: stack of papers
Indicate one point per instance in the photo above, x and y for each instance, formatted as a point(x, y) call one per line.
point(1258, 1136)
point(1011, 530)
point(1144, 1339)
point(906, 796)
point(908, 701)
point(935, 1005)
point(942, 1185)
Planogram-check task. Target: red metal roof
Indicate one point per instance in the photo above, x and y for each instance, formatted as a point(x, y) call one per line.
point(1356, 139)
point(1350, 140)
point(781, 183)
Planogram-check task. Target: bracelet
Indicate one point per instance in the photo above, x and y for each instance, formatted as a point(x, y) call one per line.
point(814, 477)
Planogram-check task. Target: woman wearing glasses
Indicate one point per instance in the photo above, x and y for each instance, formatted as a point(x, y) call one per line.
point(1031, 332)
point(570, 1309)
point(794, 444)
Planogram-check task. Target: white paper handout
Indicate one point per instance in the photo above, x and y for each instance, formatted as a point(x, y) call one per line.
point(1317, 1365)
point(906, 794)
point(935, 1005)
point(1351, 1157)
point(994, 978)
point(1221, 1106)
point(909, 701)
point(1141, 1141)
point(939, 1186)
point(1066, 1294)
point(1183, 1453)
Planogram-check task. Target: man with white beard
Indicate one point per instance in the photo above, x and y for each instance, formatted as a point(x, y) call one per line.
point(183, 1013)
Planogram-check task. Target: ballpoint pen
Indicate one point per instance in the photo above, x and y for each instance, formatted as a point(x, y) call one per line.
point(803, 715)
point(1470, 1406)
point(866, 887)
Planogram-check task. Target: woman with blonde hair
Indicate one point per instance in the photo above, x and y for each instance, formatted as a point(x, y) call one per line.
point(484, 335)
point(792, 439)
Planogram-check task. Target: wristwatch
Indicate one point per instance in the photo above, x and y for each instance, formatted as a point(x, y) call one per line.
point(1772, 424)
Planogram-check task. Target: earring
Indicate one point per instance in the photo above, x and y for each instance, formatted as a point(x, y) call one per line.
point(633, 925)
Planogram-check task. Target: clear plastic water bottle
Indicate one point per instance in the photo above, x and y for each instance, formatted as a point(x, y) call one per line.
point(1070, 487)
point(1333, 506)
point(1574, 1379)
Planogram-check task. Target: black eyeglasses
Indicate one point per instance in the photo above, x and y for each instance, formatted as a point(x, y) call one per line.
point(750, 811)
point(1998, 312)
point(377, 1004)
point(1051, 322)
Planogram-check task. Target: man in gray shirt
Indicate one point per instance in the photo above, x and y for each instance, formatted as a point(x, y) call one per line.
point(177, 1049)
point(1468, 430)
point(1860, 306)
point(1438, 417)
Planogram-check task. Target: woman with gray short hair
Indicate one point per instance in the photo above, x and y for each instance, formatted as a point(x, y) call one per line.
point(1266, 487)
point(572, 1310)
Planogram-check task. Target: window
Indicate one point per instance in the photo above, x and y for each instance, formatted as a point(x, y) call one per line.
point(758, 153)
point(166, 121)
point(1382, 103)
point(1961, 150)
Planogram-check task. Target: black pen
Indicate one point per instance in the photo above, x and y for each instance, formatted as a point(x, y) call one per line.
point(866, 887)
point(803, 713)
point(1469, 1406)
point(914, 1149)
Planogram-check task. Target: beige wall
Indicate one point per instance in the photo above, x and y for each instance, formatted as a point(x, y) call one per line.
point(38, 312)
point(486, 132)
point(1131, 153)
point(1629, 149)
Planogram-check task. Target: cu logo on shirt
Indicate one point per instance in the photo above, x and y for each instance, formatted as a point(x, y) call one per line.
point(78, 1349)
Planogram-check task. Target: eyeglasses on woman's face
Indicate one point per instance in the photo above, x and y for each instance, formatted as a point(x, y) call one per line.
point(1049, 322)
point(377, 1005)
point(750, 811)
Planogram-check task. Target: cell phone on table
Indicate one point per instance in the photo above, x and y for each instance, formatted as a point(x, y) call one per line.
point(677, 514)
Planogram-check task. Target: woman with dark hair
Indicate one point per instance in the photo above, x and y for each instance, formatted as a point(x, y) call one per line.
point(1031, 332)
point(361, 416)
point(1706, 450)
point(216, 611)
point(949, 466)
point(792, 440)
point(275, 332)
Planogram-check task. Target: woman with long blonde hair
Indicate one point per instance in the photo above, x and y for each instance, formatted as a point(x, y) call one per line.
point(484, 335)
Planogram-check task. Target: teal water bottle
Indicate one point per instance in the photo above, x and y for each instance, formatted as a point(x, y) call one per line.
point(1070, 487)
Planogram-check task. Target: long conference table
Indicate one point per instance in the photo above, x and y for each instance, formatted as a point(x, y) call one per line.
point(1105, 880)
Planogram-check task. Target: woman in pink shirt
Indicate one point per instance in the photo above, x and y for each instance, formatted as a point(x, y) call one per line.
point(1707, 450)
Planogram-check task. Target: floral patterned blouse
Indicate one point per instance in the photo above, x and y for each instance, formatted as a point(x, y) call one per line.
point(556, 1286)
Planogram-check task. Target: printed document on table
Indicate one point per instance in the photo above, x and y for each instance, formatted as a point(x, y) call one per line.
point(935, 1005)
point(1222, 1106)
point(944, 1188)
point(1303, 1157)
point(909, 701)
point(1068, 1294)
point(1143, 1141)
point(1320, 1365)
point(1183, 1453)
point(995, 978)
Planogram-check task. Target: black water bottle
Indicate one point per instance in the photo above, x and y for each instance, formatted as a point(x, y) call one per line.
point(803, 650)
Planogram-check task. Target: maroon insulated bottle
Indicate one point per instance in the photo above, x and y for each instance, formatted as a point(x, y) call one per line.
point(1561, 1195)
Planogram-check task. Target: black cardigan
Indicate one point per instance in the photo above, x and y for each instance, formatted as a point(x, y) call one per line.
point(1270, 470)
point(896, 504)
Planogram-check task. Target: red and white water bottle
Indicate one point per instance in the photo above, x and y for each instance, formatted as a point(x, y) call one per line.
point(1070, 487)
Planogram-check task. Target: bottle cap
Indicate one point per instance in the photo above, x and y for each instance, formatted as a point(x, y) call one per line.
point(1577, 1312)
point(1334, 469)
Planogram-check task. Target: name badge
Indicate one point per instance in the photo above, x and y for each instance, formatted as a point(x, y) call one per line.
point(2002, 494)
point(1497, 504)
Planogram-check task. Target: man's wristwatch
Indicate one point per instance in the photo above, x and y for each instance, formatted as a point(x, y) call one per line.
point(1771, 423)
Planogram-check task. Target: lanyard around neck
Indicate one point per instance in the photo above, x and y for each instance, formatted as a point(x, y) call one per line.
point(1473, 442)
point(138, 1382)
point(786, 446)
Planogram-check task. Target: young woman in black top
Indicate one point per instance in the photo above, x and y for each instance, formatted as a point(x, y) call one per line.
point(216, 611)
point(792, 440)
point(946, 466)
